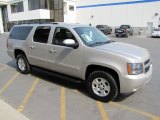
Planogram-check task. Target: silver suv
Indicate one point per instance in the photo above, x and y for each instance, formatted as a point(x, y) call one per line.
point(82, 52)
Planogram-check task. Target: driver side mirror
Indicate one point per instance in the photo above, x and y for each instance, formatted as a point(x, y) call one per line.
point(70, 43)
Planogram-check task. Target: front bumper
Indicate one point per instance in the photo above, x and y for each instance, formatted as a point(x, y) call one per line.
point(131, 83)
point(155, 35)
point(121, 33)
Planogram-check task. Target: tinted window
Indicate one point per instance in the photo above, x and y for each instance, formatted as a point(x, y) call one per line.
point(61, 34)
point(38, 4)
point(41, 34)
point(100, 26)
point(158, 29)
point(17, 7)
point(20, 33)
point(57, 10)
point(124, 26)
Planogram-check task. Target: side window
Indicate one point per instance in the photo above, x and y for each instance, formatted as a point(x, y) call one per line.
point(41, 34)
point(61, 34)
point(20, 33)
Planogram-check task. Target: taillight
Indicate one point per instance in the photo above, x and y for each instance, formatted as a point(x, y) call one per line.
point(7, 43)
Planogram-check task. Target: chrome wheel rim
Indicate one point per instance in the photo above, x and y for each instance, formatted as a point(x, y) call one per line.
point(101, 87)
point(21, 64)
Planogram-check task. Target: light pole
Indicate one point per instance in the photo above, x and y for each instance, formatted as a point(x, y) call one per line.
point(91, 20)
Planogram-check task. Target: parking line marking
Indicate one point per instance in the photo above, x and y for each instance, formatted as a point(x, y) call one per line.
point(3, 68)
point(153, 117)
point(28, 95)
point(102, 111)
point(9, 83)
point(63, 104)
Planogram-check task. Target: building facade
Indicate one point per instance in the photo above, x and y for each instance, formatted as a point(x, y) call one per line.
point(137, 13)
point(35, 11)
point(116, 12)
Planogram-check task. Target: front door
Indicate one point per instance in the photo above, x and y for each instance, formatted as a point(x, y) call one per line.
point(64, 59)
point(38, 48)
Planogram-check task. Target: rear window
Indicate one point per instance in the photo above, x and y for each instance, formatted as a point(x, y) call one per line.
point(124, 26)
point(20, 33)
point(100, 26)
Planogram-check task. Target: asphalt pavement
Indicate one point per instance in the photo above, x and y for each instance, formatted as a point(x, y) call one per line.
point(43, 96)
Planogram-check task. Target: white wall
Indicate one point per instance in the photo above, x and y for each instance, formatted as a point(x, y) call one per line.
point(70, 16)
point(28, 14)
point(136, 15)
point(1, 22)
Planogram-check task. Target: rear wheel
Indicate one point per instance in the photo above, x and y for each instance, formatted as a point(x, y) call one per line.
point(22, 64)
point(102, 86)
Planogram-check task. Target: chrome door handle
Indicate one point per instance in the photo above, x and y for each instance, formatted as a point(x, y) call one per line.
point(52, 50)
point(32, 46)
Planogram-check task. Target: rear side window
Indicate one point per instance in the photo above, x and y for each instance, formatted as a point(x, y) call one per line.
point(41, 34)
point(20, 33)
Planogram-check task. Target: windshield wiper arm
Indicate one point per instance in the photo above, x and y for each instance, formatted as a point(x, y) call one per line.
point(110, 41)
point(97, 43)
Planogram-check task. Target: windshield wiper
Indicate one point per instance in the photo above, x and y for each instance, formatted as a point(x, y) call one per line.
point(110, 41)
point(99, 43)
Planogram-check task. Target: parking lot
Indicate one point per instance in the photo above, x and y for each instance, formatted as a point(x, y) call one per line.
point(43, 96)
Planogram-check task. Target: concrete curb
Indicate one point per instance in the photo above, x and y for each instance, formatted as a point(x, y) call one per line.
point(9, 113)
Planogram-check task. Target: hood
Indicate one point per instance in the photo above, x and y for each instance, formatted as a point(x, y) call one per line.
point(126, 50)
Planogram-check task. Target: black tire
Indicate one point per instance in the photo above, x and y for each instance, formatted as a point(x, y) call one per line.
point(116, 35)
point(27, 69)
point(110, 81)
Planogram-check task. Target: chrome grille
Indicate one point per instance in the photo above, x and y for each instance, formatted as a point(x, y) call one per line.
point(147, 65)
point(147, 69)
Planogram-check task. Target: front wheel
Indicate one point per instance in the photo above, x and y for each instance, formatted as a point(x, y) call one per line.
point(22, 64)
point(102, 86)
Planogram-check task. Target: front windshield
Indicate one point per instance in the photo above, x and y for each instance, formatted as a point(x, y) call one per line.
point(91, 36)
point(158, 29)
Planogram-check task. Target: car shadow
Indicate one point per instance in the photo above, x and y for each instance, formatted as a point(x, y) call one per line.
point(122, 97)
point(64, 82)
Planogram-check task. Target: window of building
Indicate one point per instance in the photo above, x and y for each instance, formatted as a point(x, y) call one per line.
point(17, 7)
point(20, 33)
point(57, 10)
point(71, 8)
point(38, 4)
point(41, 34)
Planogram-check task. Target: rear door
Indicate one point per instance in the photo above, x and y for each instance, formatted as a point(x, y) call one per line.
point(38, 47)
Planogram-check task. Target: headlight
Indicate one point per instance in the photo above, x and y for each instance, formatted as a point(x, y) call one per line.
point(134, 68)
